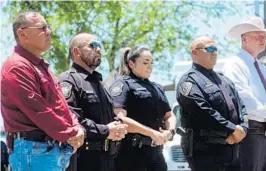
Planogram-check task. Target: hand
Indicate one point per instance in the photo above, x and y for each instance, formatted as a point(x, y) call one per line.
point(239, 134)
point(157, 137)
point(77, 140)
point(117, 131)
point(230, 139)
point(166, 133)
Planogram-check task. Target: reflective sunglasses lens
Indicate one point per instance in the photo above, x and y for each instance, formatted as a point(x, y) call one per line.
point(211, 49)
point(95, 44)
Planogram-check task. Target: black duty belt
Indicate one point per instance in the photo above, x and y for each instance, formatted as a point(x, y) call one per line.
point(257, 128)
point(213, 136)
point(138, 140)
point(105, 145)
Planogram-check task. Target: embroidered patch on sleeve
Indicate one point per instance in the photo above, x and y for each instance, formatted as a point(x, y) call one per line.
point(116, 89)
point(66, 89)
point(185, 88)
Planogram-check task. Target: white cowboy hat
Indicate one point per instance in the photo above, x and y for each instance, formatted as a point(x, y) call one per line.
point(252, 24)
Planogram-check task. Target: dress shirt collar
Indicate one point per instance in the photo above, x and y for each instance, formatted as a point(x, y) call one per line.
point(246, 56)
point(32, 58)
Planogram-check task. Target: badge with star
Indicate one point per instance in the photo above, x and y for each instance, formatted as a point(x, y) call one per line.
point(116, 89)
point(66, 89)
point(185, 88)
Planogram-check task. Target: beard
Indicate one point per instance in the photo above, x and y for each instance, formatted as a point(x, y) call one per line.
point(91, 60)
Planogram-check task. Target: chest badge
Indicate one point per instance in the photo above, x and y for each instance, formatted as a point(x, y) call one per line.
point(116, 89)
point(185, 88)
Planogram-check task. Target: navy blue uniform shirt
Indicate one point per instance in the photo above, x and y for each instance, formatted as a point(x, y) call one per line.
point(88, 99)
point(202, 94)
point(143, 100)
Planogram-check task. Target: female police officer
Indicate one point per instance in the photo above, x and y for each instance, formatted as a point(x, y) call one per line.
point(143, 106)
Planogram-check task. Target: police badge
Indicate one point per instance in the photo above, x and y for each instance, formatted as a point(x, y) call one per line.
point(66, 89)
point(185, 88)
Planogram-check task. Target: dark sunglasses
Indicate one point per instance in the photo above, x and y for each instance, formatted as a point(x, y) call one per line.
point(95, 45)
point(43, 28)
point(210, 49)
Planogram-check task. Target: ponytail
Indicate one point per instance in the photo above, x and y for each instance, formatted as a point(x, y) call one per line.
point(123, 66)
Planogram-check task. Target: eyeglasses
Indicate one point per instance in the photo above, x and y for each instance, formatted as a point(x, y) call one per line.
point(95, 44)
point(210, 49)
point(43, 28)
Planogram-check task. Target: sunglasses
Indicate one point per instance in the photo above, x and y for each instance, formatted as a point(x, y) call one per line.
point(210, 49)
point(95, 44)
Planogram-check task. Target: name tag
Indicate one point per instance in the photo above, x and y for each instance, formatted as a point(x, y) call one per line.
point(141, 88)
point(89, 91)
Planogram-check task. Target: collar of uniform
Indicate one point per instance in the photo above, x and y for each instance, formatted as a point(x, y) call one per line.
point(201, 68)
point(84, 73)
point(136, 77)
point(246, 56)
point(32, 58)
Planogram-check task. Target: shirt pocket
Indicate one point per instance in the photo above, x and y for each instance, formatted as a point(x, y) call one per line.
point(215, 96)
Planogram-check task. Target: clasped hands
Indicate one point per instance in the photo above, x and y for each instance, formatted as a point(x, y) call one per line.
point(117, 131)
point(160, 137)
point(236, 136)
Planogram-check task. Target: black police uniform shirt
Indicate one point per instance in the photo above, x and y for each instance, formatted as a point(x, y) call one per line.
point(143, 100)
point(203, 104)
point(89, 100)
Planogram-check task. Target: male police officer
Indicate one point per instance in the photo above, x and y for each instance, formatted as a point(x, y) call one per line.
point(211, 112)
point(87, 97)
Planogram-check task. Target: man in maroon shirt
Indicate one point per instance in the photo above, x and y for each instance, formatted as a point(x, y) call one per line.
point(37, 120)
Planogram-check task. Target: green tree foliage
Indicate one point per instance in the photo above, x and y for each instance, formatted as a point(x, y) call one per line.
point(161, 25)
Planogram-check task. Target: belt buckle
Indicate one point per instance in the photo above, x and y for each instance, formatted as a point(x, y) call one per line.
point(153, 143)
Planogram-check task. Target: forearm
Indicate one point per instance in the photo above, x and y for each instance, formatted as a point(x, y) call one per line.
point(136, 127)
point(170, 121)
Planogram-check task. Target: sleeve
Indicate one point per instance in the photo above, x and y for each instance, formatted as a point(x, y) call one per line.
point(119, 91)
point(166, 105)
point(242, 108)
point(237, 75)
point(193, 102)
point(71, 93)
point(23, 90)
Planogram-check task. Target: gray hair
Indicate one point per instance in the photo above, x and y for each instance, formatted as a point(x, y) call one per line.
point(22, 21)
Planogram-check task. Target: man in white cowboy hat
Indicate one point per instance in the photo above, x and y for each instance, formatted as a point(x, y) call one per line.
point(249, 75)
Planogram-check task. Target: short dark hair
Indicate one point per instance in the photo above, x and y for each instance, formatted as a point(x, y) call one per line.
point(21, 21)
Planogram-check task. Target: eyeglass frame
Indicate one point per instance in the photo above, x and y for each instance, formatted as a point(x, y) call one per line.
point(43, 28)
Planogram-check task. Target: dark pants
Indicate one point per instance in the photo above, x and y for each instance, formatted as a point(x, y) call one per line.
point(208, 163)
point(253, 153)
point(95, 161)
point(146, 158)
point(214, 157)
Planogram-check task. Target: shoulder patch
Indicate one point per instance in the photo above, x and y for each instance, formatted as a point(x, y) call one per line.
point(116, 89)
point(185, 88)
point(66, 89)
